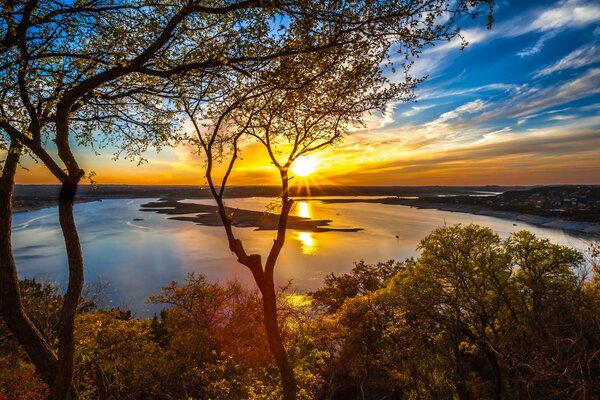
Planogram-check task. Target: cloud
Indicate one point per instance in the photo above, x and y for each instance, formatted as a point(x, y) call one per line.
point(568, 14)
point(434, 57)
point(416, 109)
point(536, 47)
point(468, 108)
point(562, 117)
point(583, 56)
point(550, 21)
point(528, 102)
point(377, 119)
point(557, 154)
point(531, 116)
point(441, 93)
point(494, 135)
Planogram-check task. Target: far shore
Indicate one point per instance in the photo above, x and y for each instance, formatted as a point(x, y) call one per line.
point(583, 228)
point(36, 197)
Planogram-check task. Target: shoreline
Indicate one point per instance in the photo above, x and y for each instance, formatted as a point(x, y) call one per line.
point(584, 228)
point(20, 208)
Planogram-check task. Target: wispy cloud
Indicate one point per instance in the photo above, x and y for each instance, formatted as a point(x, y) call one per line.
point(585, 55)
point(416, 109)
point(562, 117)
point(556, 154)
point(436, 93)
point(564, 15)
point(527, 103)
point(468, 108)
point(536, 47)
point(567, 14)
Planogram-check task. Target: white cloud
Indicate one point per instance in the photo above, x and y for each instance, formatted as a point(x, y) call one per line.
point(564, 15)
point(415, 110)
point(549, 21)
point(562, 117)
point(585, 55)
point(532, 102)
point(494, 135)
point(568, 14)
point(536, 47)
point(435, 57)
point(584, 86)
point(530, 116)
point(468, 108)
point(377, 119)
point(436, 94)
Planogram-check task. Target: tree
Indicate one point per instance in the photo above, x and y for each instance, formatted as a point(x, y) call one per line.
point(298, 105)
point(467, 271)
point(48, 74)
point(500, 318)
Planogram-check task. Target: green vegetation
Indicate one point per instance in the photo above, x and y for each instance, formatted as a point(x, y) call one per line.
point(474, 317)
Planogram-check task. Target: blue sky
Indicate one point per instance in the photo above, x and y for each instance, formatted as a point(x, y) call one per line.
point(520, 105)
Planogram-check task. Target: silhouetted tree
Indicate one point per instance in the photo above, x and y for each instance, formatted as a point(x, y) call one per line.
point(299, 105)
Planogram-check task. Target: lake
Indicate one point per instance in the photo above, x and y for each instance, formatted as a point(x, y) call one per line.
point(137, 257)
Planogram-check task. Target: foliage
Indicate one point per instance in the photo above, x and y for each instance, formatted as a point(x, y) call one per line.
point(474, 317)
point(362, 280)
point(19, 381)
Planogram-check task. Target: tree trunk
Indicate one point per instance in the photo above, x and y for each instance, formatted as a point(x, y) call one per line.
point(63, 385)
point(11, 306)
point(267, 288)
point(264, 278)
point(496, 370)
point(288, 380)
point(461, 387)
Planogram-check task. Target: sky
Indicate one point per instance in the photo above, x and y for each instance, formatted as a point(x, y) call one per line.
point(520, 105)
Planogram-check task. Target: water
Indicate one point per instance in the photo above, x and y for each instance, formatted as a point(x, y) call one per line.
point(138, 257)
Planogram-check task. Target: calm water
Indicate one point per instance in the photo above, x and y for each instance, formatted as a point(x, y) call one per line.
point(138, 257)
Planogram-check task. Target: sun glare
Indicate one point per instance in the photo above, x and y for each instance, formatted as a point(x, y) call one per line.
point(304, 166)
point(303, 209)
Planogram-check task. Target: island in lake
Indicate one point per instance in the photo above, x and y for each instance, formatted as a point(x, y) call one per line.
point(207, 215)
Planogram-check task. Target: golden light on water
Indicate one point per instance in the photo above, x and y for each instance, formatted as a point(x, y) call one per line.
point(303, 209)
point(308, 244)
point(304, 166)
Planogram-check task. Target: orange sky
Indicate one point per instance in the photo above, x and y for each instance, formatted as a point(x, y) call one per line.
point(381, 156)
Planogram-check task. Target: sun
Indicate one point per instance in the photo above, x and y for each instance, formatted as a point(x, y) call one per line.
point(304, 166)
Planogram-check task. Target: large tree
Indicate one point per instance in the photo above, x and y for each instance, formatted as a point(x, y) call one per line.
point(293, 107)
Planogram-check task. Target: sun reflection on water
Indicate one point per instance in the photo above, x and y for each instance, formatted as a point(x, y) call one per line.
point(308, 244)
point(303, 209)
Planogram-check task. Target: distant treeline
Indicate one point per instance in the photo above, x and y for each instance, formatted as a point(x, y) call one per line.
point(474, 317)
